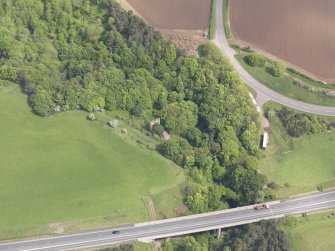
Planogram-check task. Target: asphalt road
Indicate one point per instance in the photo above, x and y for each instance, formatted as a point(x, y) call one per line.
point(263, 93)
point(176, 226)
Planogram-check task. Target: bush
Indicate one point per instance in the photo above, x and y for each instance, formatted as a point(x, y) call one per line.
point(247, 49)
point(158, 129)
point(270, 114)
point(42, 103)
point(273, 185)
point(255, 60)
point(91, 116)
point(137, 111)
point(298, 124)
point(278, 69)
point(150, 147)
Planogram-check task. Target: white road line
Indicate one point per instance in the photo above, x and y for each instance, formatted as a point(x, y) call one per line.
point(135, 236)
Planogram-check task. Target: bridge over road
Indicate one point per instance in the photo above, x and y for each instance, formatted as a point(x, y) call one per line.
point(176, 226)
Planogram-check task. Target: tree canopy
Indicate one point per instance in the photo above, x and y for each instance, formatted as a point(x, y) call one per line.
point(93, 55)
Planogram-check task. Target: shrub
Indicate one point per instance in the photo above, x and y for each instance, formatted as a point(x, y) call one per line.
point(270, 114)
point(150, 147)
point(298, 124)
point(137, 111)
point(255, 60)
point(91, 116)
point(278, 69)
point(42, 103)
point(158, 129)
point(273, 185)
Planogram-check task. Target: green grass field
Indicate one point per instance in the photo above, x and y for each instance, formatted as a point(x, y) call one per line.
point(65, 173)
point(315, 234)
point(227, 29)
point(303, 163)
point(285, 86)
point(212, 21)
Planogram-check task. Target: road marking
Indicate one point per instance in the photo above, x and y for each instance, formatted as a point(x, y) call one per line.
point(271, 211)
point(190, 227)
point(320, 194)
point(204, 220)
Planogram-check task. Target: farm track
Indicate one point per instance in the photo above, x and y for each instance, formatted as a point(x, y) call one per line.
point(263, 93)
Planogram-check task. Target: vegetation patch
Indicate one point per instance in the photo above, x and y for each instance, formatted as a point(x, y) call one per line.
point(314, 232)
point(309, 80)
point(70, 171)
point(264, 235)
point(298, 165)
point(169, 203)
point(227, 29)
point(298, 124)
point(212, 21)
point(254, 59)
point(286, 84)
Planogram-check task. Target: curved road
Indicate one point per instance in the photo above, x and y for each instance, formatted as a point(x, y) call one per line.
point(263, 93)
point(176, 226)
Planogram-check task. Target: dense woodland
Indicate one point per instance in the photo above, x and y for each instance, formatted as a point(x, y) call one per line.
point(298, 124)
point(262, 236)
point(92, 55)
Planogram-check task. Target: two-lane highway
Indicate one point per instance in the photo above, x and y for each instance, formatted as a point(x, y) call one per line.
point(263, 93)
point(177, 226)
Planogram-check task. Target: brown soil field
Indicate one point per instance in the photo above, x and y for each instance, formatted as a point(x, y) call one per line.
point(174, 14)
point(300, 32)
point(185, 39)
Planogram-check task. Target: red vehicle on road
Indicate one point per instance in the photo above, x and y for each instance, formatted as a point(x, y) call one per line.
point(262, 206)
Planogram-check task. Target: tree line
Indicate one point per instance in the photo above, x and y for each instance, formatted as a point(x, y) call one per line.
point(298, 124)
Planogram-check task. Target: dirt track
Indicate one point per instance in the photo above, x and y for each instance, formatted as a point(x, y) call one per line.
point(174, 14)
point(300, 32)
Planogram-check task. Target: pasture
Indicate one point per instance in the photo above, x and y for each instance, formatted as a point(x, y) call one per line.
point(299, 165)
point(315, 233)
point(174, 14)
point(300, 32)
point(65, 173)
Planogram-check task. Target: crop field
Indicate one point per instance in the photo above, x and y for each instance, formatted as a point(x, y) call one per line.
point(67, 173)
point(174, 14)
point(300, 32)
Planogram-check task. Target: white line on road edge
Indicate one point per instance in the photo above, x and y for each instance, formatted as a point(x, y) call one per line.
point(280, 212)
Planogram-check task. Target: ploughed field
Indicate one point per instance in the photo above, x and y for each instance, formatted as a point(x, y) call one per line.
point(300, 32)
point(174, 14)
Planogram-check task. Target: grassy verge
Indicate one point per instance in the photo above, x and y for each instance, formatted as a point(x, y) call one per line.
point(298, 165)
point(309, 80)
point(314, 233)
point(140, 246)
point(285, 85)
point(66, 173)
point(228, 32)
point(212, 21)
point(167, 202)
